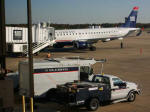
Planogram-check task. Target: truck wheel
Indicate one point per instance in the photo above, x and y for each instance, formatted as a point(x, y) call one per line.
point(131, 97)
point(93, 104)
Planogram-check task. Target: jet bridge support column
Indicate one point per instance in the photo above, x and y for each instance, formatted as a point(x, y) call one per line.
point(6, 86)
point(2, 40)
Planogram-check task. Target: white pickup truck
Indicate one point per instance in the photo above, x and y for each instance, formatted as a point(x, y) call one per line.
point(101, 88)
point(119, 89)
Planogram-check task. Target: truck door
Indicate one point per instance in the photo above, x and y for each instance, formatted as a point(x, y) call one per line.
point(119, 89)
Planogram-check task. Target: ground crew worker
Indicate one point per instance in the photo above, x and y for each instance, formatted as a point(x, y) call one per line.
point(48, 55)
point(121, 45)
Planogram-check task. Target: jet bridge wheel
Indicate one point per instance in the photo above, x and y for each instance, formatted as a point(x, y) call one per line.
point(92, 48)
point(93, 104)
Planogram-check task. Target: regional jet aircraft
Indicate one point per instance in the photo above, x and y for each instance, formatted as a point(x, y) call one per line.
point(85, 38)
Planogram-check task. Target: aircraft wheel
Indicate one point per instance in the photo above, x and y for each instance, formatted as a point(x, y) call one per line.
point(92, 48)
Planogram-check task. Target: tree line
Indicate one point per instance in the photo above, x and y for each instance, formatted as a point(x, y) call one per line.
point(81, 26)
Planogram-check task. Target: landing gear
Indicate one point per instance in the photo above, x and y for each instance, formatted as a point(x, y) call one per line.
point(92, 48)
point(58, 46)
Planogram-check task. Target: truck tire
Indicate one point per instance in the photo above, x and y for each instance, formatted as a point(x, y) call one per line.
point(131, 96)
point(93, 104)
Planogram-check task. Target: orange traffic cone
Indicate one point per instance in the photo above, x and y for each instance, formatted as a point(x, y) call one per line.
point(48, 55)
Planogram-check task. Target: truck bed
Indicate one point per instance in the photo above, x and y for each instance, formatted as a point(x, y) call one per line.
point(78, 93)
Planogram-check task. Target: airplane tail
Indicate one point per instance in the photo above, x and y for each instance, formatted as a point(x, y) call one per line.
point(130, 21)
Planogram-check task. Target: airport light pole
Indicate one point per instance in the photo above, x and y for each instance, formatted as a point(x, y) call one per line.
point(2, 40)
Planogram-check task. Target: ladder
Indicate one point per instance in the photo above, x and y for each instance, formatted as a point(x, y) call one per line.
point(39, 46)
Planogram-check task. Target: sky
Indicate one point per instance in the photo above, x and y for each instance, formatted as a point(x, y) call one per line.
point(76, 11)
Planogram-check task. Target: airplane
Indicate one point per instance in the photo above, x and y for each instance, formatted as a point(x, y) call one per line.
point(85, 38)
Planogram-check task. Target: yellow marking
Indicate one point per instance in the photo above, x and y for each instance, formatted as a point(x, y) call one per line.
point(31, 103)
point(23, 104)
point(101, 89)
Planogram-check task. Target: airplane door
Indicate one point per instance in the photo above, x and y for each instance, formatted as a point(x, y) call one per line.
point(51, 34)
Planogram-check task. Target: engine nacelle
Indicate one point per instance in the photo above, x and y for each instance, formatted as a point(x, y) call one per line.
point(105, 40)
point(120, 38)
point(80, 44)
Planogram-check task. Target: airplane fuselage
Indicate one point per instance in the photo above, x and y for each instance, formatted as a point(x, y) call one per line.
point(84, 38)
point(103, 34)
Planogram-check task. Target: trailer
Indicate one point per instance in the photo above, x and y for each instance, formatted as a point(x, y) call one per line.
point(49, 73)
point(17, 38)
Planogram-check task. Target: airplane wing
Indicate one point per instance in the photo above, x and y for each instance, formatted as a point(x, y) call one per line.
point(134, 32)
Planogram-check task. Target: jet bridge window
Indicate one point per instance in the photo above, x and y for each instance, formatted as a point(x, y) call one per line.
point(50, 34)
point(17, 35)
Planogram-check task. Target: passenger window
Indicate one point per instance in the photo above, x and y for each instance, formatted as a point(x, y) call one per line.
point(17, 35)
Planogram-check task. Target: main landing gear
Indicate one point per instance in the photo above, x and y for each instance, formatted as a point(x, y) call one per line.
point(92, 48)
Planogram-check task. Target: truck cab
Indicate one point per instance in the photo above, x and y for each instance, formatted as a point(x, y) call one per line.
point(119, 89)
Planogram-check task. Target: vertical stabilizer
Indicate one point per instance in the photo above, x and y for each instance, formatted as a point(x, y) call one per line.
point(130, 21)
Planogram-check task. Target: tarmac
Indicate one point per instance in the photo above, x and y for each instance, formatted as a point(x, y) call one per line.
point(131, 63)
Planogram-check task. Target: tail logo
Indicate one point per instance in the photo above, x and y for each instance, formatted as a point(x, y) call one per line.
point(132, 18)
